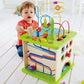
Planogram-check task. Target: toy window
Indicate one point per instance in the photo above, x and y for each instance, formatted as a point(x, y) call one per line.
point(70, 43)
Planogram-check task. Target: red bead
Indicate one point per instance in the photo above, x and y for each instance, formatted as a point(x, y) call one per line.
point(39, 29)
point(68, 54)
point(60, 39)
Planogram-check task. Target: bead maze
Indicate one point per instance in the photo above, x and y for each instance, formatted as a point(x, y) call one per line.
point(48, 52)
point(17, 10)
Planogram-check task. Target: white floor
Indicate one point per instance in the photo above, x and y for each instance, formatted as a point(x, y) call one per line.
point(11, 64)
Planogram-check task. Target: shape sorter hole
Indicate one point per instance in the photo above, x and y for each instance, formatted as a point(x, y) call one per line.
point(63, 49)
point(67, 46)
point(62, 58)
point(65, 67)
point(70, 50)
point(67, 64)
point(66, 53)
point(70, 43)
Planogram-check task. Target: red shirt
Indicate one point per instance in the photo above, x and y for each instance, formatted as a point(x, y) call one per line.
point(23, 23)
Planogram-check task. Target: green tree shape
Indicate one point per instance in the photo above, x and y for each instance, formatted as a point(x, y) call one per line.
point(45, 23)
point(52, 28)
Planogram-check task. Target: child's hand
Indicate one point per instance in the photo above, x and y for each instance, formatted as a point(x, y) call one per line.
point(20, 29)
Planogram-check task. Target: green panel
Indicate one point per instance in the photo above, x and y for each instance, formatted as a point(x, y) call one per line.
point(47, 78)
point(56, 44)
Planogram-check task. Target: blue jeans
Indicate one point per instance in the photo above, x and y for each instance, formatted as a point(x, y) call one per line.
point(20, 50)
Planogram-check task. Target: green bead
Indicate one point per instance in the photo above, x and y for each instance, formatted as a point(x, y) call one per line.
point(45, 32)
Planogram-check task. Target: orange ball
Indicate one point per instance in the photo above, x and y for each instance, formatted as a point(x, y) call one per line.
point(57, 7)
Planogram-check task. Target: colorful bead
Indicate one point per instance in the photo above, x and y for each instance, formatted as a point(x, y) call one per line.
point(55, 2)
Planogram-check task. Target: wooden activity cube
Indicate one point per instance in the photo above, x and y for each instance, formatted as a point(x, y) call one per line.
point(51, 61)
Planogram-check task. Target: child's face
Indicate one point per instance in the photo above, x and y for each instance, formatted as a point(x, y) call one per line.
point(28, 14)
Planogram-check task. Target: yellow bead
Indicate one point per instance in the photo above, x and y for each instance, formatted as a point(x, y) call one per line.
point(43, 40)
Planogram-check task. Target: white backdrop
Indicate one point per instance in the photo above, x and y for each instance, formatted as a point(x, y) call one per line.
point(1, 4)
point(14, 3)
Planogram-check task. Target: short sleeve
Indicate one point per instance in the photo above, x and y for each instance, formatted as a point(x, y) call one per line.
point(20, 23)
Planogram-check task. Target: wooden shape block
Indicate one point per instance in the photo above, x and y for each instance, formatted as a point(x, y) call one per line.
point(30, 30)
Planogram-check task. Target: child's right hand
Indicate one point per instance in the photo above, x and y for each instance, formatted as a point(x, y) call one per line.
point(20, 29)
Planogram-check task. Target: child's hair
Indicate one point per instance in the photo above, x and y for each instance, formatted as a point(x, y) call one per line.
point(26, 4)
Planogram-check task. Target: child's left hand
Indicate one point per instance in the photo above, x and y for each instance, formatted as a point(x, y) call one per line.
point(20, 29)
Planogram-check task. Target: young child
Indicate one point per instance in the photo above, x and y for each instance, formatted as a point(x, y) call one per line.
point(27, 12)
